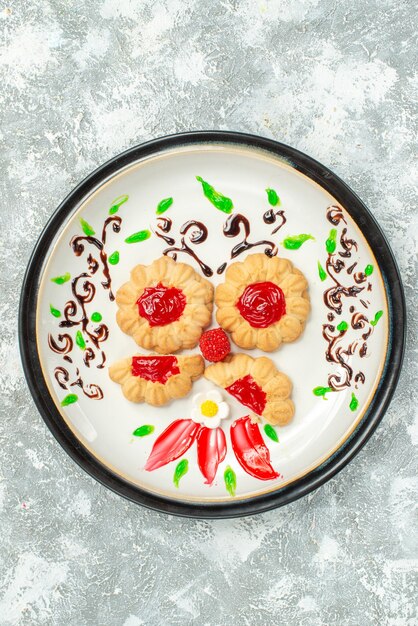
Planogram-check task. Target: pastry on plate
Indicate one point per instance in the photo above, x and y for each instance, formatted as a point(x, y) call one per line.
point(257, 384)
point(156, 379)
point(165, 306)
point(263, 302)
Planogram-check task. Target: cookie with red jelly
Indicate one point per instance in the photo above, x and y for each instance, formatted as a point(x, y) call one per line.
point(257, 384)
point(263, 302)
point(165, 306)
point(156, 379)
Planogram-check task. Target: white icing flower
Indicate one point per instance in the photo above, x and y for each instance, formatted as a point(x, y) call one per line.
point(209, 409)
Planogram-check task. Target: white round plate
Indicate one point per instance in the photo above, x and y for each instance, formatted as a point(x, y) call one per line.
point(96, 423)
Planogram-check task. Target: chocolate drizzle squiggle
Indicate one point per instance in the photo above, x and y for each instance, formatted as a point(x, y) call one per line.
point(75, 312)
point(194, 233)
point(334, 297)
point(78, 243)
point(347, 244)
point(197, 233)
point(65, 339)
point(270, 217)
point(232, 228)
point(62, 377)
point(164, 225)
point(360, 378)
point(335, 215)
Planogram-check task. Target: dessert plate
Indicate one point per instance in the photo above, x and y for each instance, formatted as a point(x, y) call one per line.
point(211, 199)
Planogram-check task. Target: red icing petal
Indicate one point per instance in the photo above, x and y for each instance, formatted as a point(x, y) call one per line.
point(262, 304)
point(249, 393)
point(174, 441)
point(211, 450)
point(161, 305)
point(157, 369)
point(250, 450)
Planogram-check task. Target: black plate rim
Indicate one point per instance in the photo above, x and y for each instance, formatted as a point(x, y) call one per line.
point(314, 479)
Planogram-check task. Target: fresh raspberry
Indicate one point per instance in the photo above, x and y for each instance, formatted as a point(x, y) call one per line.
point(214, 344)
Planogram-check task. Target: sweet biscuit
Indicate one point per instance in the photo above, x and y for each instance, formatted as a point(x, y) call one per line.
point(165, 306)
point(156, 379)
point(263, 302)
point(257, 384)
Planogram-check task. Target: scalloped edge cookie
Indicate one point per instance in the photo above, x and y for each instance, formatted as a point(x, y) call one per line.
point(279, 409)
point(138, 389)
point(258, 268)
point(183, 333)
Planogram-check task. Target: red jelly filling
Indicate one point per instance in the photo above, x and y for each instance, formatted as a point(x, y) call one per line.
point(157, 369)
point(249, 393)
point(262, 304)
point(161, 305)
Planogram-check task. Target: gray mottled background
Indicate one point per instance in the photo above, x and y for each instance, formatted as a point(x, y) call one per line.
point(81, 81)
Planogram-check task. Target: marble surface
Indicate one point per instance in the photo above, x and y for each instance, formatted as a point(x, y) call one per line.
point(81, 82)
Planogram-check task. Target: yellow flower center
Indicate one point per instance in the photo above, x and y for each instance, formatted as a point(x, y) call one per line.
point(209, 408)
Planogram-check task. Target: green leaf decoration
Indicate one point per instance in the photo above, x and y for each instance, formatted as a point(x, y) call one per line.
point(331, 242)
point(271, 433)
point(79, 339)
point(164, 205)
point(322, 273)
point(70, 399)
point(181, 469)
point(272, 197)
point(342, 326)
point(296, 241)
point(117, 202)
point(87, 229)
point(353, 403)
point(218, 200)
point(144, 430)
point(114, 258)
point(96, 317)
point(60, 280)
point(321, 391)
point(368, 270)
point(141, 235)
point(54, 312)
point(230, 480)
point(376, 318)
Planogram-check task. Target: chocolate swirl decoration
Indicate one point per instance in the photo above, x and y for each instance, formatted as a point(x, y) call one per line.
point(62, 377)
point(164, 225)
point(360, 378)
point(78, 244)
point(64, 339)
point(238, 223)
point(93, 264)
point(333, 298)
point(71, 309)
point(196, 233)
point(341, 380)
point(359, 277)
point(89, 355)
point(115, 221)
point(347, 244)
point(335, 215)
point(359, 321)
point(336, 264)
point(75, 314)
point(336, 354)
point(270, 217)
